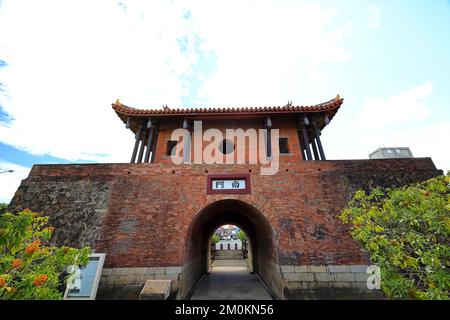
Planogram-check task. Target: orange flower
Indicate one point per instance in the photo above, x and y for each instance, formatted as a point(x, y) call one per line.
point(2, 282)
point(40, 280)
point(16, 263)
point(33, 246)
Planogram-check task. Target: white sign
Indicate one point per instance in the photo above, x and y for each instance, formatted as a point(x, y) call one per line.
point(83, 282)
point(218, 184)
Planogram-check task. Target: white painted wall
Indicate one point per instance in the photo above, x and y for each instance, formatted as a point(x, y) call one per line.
point(231, 242)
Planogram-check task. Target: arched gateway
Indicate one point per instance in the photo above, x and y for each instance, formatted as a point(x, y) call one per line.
point(152, 217)
point(262, 254)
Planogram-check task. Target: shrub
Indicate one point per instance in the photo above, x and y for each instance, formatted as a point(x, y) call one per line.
point(30, 266)
point(406, 232)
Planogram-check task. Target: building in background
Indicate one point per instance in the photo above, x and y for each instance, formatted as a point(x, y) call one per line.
point(391, 152)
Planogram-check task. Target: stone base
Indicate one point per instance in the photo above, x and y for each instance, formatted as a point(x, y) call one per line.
point(332, 282)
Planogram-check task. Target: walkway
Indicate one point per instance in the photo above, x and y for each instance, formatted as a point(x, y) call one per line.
point(230, 280)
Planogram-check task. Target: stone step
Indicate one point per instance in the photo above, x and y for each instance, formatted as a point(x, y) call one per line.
point(228, 254)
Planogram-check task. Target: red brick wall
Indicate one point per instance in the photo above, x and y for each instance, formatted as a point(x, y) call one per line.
point(145, 211)
point(286, 126)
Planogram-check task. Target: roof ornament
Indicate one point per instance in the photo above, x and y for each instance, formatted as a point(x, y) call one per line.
point(118, 103)
point(289, 104)
point(338, 97)
point(165, 107)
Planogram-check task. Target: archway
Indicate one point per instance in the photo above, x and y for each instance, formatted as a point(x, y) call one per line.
point(248, 218)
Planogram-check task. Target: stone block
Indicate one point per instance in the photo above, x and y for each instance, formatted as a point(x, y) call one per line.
point(173, 270)
point(155, 290)
point(346, 277)
point(317, 268)
point(361, 277)
point(155, 270)
point(325, 276)
point(299, 276)
point(137, 271)
point(107, 271)
point(338, 269)
point(287, 269)
point(358, 268)
point(341, 284)
point(301, 268)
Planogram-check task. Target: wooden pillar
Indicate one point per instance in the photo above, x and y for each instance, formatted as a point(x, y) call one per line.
point(149, 144)
point(268, 125)
point(186, 143)
point(155, 141)
point(314, 148)
point(269, 143)
point(136, 144)
point(302, 148)
point(319, 143)
point(306, 141)
point(141, 149)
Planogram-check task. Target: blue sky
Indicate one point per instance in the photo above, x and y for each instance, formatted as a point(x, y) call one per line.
point(63, 63)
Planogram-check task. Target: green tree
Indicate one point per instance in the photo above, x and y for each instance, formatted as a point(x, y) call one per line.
point(30, 266)
point(3, 207)
point(215, 239)
point(406, 232)
point(241, 235)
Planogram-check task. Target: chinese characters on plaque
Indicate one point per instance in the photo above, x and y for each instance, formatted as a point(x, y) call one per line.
point(218, 184)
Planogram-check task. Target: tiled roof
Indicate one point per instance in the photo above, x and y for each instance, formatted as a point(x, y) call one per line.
point(123, 110)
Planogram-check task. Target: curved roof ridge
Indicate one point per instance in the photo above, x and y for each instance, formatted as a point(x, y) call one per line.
point(130, 111)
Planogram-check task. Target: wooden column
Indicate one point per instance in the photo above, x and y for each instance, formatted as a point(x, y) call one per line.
point(149, 144)
point(186, 143)
point(155, 141)
point(306, 141)
point(141, 150)
point(314, 148)
point(319, 143)
point(136, 144)
point(302, 148)
point(268, 125)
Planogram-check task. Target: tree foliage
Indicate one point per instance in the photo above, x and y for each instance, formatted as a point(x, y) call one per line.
point(241, 235)
point(406, 232)
point(215, 239)
point(3, 207)
point(31, 267)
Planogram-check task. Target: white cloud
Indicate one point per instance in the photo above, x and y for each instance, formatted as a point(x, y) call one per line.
point(69, 61)
point(267, 49)
point(406, 106)
point(402, 120)
point(10, 181)
point(374, 21)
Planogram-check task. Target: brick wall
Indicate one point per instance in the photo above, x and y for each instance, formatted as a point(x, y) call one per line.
point(142, 215)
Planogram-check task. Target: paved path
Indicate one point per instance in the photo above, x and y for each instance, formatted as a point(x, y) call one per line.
point(230, 280)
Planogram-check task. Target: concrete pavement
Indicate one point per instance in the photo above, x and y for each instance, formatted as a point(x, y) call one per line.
point(230, 280)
